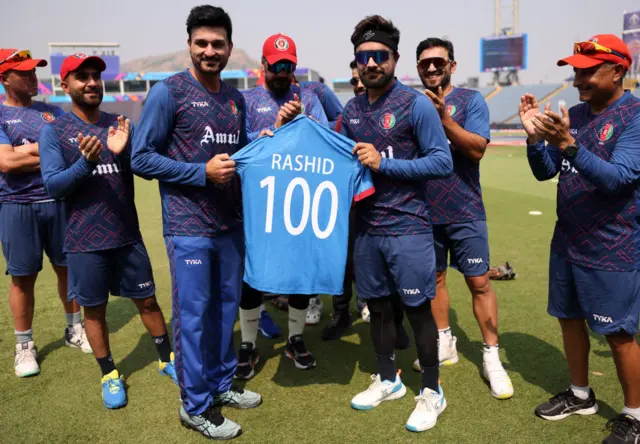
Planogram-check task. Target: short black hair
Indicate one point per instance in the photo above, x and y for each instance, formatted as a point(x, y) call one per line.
point(353, 64)
point(209, 16)
point(435, 42)
point(375, 23)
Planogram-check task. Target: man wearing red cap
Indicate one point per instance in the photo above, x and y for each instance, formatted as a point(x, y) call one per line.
point(85, 159)
point(30, 220)
point(594, 269)
point(277, 102)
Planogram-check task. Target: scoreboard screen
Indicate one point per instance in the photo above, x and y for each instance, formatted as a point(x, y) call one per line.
point(503, 53)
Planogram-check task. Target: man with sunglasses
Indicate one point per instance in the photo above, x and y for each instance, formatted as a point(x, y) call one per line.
point(356, 83)
point(271, 105)
point(30, 220)
point(191, 124)
point(341, 318)
point(394, 255)
point(457, 211)
point(594, 268)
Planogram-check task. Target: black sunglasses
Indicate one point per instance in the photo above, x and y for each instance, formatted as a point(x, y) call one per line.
point(278, 67)
point(437, 62)
point(362, 57)
point(354, 81)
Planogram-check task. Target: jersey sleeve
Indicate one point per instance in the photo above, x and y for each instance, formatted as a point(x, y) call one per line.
point(622, 169)
point(332, 106)
point(317, 112)
point(363, 184)
point(477, 120)
point(59, 181)
point(544, 160)
point(151, 140)
point(243, 157)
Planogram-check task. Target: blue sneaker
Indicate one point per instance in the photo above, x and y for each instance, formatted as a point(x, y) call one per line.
point(114, 393)
point(267, 326)
point(169, 369)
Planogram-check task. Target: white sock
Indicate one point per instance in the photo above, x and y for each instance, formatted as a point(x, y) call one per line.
point(581, 392)
point(490, 352)
point(445, 332)
point(262, 308)
point(297, 319)
point(249, 321)
point(632, 412)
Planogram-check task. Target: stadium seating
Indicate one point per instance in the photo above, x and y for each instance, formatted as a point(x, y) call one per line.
point(504, 104)
point(485, 91)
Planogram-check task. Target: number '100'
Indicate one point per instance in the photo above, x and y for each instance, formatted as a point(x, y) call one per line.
point(307, 204)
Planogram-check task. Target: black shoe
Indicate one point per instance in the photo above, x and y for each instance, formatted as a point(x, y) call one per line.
point(565, 404)
point(298, 353)
point(340, 321)
point(402, 338)
point(625, 429)
point(248, 357)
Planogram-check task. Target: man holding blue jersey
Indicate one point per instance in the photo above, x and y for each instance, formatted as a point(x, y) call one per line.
point(191, 123)
point(594, 268)
point(457, 210)
point(394, 253)
point(270, 106)
point(31, 222)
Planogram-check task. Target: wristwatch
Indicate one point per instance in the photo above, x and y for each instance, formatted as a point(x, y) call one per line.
point(571, 150)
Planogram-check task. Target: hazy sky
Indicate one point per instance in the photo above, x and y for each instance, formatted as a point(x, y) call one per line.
point(320, 29)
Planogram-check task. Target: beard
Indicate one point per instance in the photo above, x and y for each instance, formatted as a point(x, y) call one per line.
point(279, 85)
point(376, 78)
point(433, 86)
point(209, 66)
point(80, 99)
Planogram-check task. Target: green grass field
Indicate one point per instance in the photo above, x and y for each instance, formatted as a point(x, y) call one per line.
point(63, 403)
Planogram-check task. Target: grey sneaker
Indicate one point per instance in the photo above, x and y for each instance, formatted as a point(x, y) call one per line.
point(211, 424)
point(238, 398)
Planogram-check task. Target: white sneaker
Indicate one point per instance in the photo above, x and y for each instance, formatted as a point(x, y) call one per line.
point(447, 352)
point(314, 312)
point(76, 336)
point(366, 316)
point(429, 406)
point(377, 392)
point(26, 360)
point(494, 372)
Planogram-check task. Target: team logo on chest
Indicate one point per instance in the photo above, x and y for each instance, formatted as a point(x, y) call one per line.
point(606, 132)
point(234, 108)
point(48, 117)
point(450, 109)
point(387, 121)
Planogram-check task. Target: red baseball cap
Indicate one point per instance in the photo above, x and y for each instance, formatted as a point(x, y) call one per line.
point(279, 47)
point(597, 50)
point(11, 58)
point(75, 61)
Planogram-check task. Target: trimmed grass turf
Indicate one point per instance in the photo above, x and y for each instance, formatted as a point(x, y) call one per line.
point(63, 403)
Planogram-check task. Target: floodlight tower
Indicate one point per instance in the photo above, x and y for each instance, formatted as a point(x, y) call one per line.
point(506, 23)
